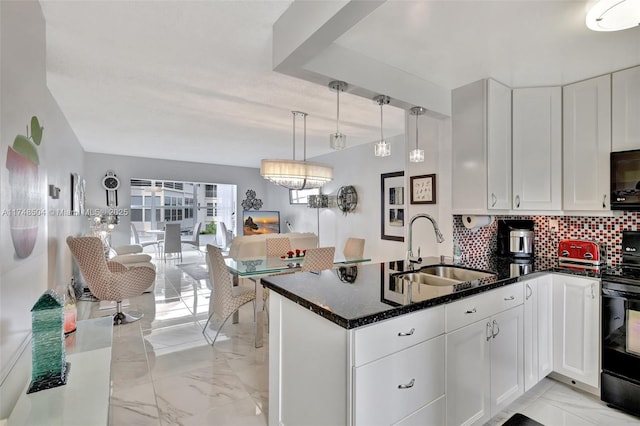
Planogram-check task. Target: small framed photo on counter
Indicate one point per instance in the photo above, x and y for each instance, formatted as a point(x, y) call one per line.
point(423, 189)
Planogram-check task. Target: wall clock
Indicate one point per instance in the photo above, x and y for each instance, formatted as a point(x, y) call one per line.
point(111, 183)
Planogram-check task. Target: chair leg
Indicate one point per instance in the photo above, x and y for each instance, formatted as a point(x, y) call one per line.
point(121, 318)
point(204, 330)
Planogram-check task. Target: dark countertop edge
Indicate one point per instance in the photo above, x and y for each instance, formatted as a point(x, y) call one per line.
point(405, 309)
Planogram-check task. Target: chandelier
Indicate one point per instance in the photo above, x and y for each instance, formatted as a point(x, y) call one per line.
point(382, 148)
point(295, 174)
point(417, 155)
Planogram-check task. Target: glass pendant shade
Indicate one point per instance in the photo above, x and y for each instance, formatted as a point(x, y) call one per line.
point(613, 15)
point(417, 155)
point(295, 174)
point(338, 140)
point(382, 148)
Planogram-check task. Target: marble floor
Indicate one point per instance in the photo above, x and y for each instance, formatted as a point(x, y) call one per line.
point(164, 372)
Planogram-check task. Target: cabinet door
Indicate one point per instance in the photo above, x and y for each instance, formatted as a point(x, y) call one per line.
point(537, 148)
point(506, 358)
point(544, 299)
point(576, 314)
point(530, 334)
point(468, 132)
point(468, 374)
point(625, 99)
point(498, 146)
point(587, 144)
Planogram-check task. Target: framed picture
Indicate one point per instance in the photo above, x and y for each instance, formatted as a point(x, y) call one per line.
point(392, 206)
point(423, 189)
point(77, 194)
point(301, 196)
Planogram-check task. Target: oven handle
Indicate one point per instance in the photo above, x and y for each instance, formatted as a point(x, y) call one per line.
point(619, 293)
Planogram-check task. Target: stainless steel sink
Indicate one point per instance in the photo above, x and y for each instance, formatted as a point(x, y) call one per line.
point(427, 279)
point(454, 273)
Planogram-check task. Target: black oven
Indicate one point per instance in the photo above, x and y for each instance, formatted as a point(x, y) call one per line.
point(620, 378)
point(625, 180)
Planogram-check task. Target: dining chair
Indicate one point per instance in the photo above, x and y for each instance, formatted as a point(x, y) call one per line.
point(278, 246)
point(194, 240)
point(143, 244)
point(353, 248)
point(172, 242)
point(225, 298)
point(110, 280)
point(318, 259)
point(223, 237)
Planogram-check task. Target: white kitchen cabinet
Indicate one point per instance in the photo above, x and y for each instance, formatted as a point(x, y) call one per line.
point(538, 330)
point(587, 144)
point(537, 148)
point(625, 109)
point(485, 357)
point(481, 133)
point(576, 321)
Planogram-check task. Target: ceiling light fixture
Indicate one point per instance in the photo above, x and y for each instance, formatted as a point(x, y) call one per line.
point(295, 174)
point(417, 155)
point(614, 15)
point(338, 140)
point(382, 148)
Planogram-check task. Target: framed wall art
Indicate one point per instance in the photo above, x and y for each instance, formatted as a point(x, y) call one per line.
point(392, 206)
point(423, 189)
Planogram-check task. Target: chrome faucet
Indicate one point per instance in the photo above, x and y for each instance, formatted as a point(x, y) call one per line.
point(411, 259)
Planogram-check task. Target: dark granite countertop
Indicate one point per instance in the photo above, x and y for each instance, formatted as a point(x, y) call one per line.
point(353, 296)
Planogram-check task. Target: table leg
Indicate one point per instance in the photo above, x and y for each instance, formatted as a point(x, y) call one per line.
point(235, 318)
point(259, 314)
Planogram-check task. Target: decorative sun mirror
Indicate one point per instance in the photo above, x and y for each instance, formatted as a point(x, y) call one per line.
point(347, 199)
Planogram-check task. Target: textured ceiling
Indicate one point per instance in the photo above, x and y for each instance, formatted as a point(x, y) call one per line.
point(193, 80)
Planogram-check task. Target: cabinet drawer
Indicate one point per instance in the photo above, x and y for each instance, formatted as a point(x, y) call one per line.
point(386, 337)
point(379, 396)
point(474, 308)
point(432, 414)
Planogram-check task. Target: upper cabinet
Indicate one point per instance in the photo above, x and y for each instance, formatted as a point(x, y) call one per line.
point(537, 148)
point(481, 132)
point(587, 144)
point(626, 109)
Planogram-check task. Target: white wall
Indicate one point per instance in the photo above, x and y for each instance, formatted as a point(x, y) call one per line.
point(135, 167)
point(23, 94)
point(358, 166)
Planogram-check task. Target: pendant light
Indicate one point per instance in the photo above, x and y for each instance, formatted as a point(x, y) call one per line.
point(382, 148)
point(294, 174)
point(417, 155)
point(338, 140)
point(613, 15)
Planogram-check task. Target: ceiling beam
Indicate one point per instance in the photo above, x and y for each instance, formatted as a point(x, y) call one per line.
point(304, 47)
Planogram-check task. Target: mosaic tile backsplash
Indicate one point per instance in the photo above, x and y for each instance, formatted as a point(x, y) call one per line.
point(608, 230)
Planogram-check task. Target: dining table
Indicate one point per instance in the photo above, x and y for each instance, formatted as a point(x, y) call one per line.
point(255, 268)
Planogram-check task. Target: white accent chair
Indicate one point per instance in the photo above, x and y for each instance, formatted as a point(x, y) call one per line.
point(194, 240)
point(172, 241)
point(225, 298)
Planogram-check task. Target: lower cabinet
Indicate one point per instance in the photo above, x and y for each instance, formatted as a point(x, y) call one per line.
point(538, 330)
point(576, 337)
point(484, 367)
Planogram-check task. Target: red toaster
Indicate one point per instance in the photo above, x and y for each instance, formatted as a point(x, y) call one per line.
point(581, 252)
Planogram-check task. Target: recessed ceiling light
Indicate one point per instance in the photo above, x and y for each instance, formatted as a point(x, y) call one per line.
point(614, 15)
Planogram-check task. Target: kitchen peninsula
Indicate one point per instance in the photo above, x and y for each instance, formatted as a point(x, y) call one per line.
point(372, 350)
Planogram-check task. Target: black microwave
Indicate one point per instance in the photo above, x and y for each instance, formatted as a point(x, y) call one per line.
point(625, 180)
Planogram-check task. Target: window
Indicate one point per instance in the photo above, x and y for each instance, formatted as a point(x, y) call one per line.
point(136, 215)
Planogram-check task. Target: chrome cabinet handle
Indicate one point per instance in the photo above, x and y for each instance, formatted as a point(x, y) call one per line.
point(494, 199)
point(489, 331)
point(517, 201)
point(510, 298)
point(530, 291)
point(495, 326)
point(604, 201)
point(402, 334)
point(472, 311)
point(593, 295)
point(408, 385)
